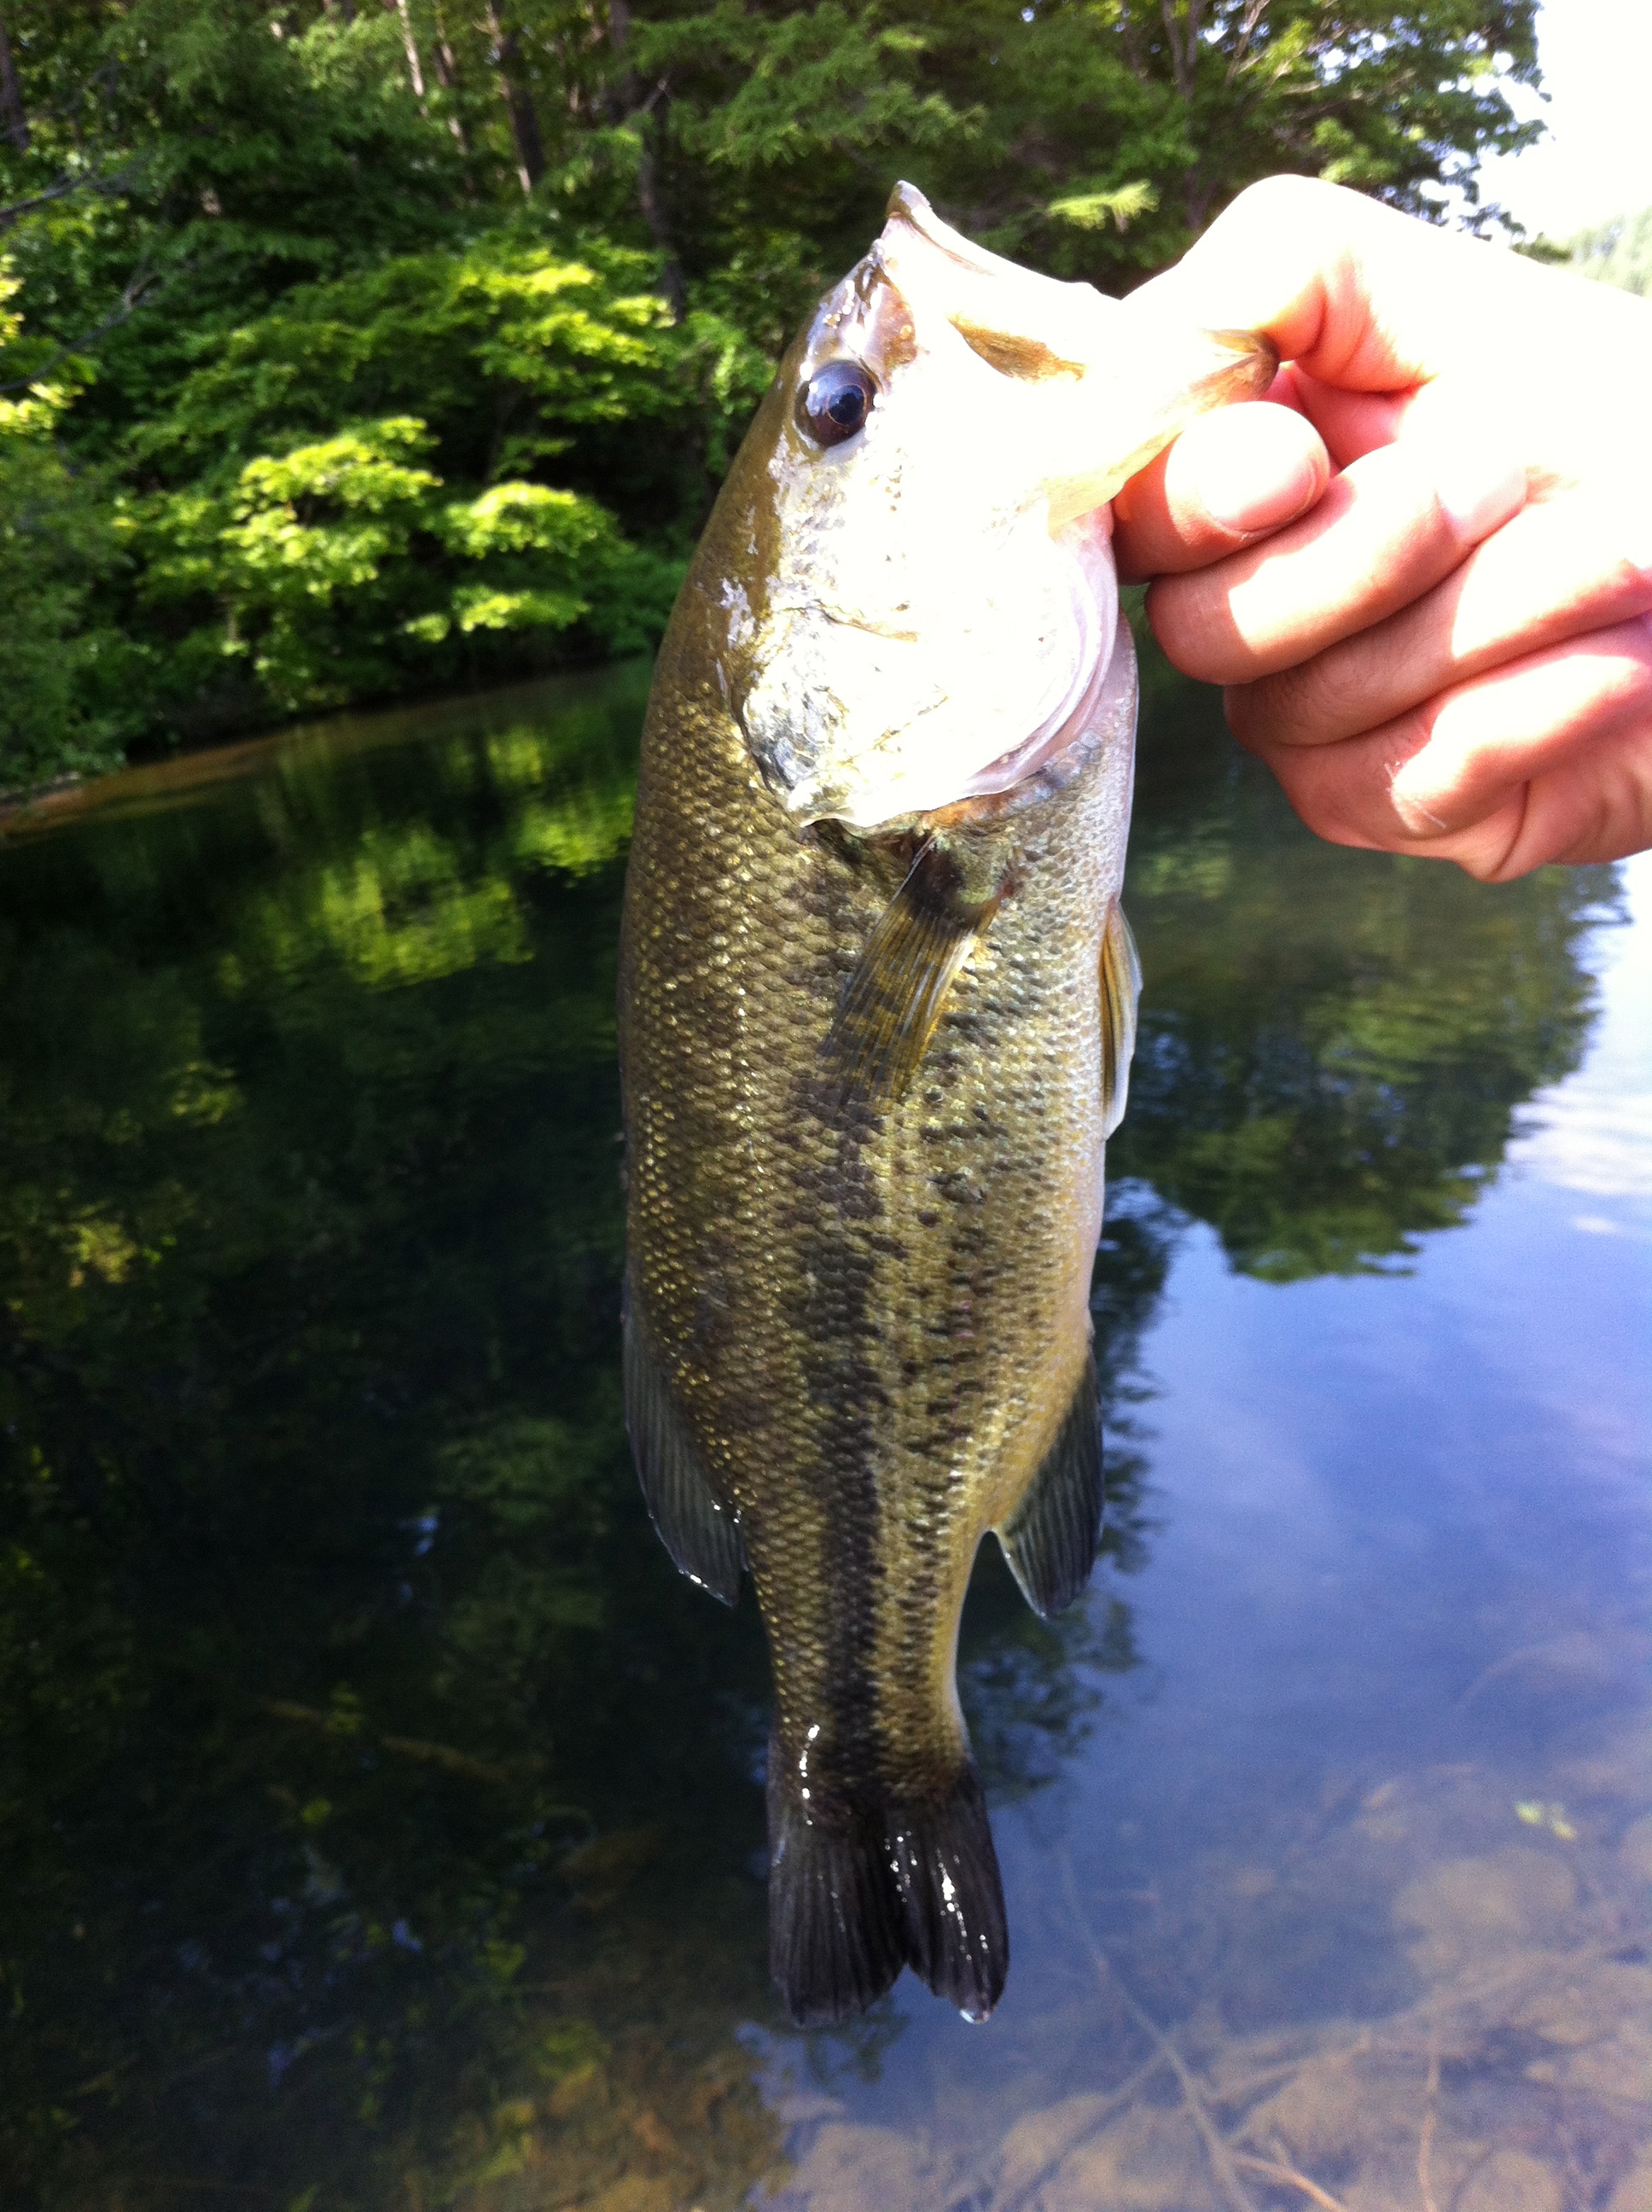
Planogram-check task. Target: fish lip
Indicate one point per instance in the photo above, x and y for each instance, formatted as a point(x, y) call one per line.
point(1030, 762)
point(907, 204)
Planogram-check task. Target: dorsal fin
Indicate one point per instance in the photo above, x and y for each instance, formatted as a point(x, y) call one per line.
point(1050, 1539)
point(896, 995)
point(701, 1534)
point(1120, 992)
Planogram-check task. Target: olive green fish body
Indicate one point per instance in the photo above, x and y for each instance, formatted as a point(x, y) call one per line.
point(870, 1060)
point(874, 1324)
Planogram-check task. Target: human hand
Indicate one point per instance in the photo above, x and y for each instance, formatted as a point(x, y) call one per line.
point(1422, 569)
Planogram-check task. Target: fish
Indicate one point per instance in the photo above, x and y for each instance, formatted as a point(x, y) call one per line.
point(877, 1003)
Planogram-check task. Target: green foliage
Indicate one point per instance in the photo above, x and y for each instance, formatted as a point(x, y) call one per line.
point(388, 347)
point(56, 545)
point(323, 560)
point(336, 565)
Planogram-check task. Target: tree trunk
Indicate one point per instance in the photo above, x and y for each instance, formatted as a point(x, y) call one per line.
point(14, 116)
point(1181, 28)
point(410, 47)
point(650, 203)
point(1183, 39)
point(519, 102)
point(448, 78)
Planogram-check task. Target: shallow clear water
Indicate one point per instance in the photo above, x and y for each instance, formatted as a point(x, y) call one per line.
point(380, 1815)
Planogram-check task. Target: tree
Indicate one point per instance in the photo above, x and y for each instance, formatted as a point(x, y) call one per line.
point(57, 543)
point(340, 211)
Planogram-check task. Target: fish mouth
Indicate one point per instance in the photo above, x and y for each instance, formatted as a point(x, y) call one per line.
point(935, 750)
point(1095, 599)
point(1042, 758)
point(940, 621)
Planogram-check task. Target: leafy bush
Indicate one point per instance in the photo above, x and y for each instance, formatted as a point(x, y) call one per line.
point(56, 543)
point(369, 349)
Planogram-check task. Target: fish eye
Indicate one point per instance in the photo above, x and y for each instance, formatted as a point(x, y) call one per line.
point(835, 402)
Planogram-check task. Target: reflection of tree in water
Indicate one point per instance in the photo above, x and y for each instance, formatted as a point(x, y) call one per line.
point(377, 1805)
point(1333, 1042)
point(368, 1827)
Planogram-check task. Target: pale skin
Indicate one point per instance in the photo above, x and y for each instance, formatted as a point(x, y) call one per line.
point(1422, 568)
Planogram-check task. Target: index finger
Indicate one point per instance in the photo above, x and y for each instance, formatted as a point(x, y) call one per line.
point(1360, 295)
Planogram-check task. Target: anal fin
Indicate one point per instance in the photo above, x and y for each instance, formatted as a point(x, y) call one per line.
point(897, 993)
point(701, 1534)
point(1050, 1540)
point(1120, 992)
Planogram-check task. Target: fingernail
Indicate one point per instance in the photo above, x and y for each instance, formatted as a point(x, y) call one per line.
point(1410, 792)
point(1476, 490)
point(1418, 818)
point(1231, 496)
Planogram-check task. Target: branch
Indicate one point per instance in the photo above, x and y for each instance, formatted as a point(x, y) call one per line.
point(1221, 2158)
point(1113, 2102)
point(1425, 2138)
point(1253, 15)
point(61, 190)
point(139, 290)
point(1279, 2170)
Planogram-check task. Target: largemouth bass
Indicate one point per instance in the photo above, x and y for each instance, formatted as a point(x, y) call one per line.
point(878, 1003)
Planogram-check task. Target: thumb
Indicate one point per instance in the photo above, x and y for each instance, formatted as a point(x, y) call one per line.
point(1231, 476)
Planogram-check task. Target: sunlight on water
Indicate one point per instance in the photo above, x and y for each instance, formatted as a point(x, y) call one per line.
point(380, 1824)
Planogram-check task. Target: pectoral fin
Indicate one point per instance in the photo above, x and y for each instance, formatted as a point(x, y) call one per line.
point(896, 995)
point(1050, 1539)
point(700, 1535)
point(1120, 991)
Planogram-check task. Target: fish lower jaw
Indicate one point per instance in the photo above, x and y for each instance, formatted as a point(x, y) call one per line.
point(928, 758)
point(1060, 744)
point(1044, 761)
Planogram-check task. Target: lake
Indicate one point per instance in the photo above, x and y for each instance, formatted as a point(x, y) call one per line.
point(381, 1816)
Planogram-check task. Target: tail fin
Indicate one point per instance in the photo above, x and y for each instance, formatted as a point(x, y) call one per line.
point(946, 1870)
point(911, 1884)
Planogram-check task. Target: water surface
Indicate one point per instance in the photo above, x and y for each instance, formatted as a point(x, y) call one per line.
point(380, 1816)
